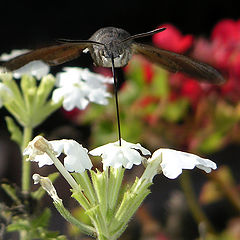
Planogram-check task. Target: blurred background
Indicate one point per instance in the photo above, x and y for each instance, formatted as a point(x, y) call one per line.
point(165, 214)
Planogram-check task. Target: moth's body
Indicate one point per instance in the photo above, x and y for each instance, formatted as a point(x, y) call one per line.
point(113, 46)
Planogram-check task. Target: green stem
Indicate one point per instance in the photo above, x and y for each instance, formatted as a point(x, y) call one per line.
point(27, 137)
point(67, 215)
point(193, 204)
point(229, 190)
point(24, 235)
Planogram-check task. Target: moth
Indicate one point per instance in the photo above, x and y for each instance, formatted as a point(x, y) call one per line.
point(114, 47)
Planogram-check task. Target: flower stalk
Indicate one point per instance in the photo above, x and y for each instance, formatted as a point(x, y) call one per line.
point(26, 167)
point(193, 204)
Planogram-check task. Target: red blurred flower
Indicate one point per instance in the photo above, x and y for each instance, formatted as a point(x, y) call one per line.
point(72, 115)
point(107, 72)
point(145, 101)
point(184, 86)
point(148, 72)
point(192, 90)
point(226, 31)
point(223, 52)
point(171, 39)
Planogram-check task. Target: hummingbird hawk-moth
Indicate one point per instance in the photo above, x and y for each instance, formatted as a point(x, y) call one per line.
point(114, 47)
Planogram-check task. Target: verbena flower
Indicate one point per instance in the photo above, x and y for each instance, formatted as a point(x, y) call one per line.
point(125, 155)
point(172, 162)
point(36, 68)
point(38, 155)
point(76, 160)
point(77, 87)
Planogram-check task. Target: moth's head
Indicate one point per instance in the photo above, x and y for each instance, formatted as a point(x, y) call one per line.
point(114, 43)
point(103, 54)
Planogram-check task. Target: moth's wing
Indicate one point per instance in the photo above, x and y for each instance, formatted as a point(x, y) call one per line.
point(53, 55)
point(174, 62)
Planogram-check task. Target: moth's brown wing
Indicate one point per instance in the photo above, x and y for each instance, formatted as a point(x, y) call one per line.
point(174, 62)
point(53, 55)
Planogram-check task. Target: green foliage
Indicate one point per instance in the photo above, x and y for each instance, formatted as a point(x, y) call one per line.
point(176, 111)
point(15, 132)
point(35, 228)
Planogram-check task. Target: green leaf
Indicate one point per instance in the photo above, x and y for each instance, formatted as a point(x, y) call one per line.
point(135, 72)
point(160, 84)
point(42, 220)
point(16, 134)
point(11, 192)
point(19, 225)
point(212, 143)
point(176, 110)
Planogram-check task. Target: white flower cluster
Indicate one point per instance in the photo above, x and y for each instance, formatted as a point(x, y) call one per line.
point(76, 87)
point(76, 160)
point(37, 68)
point(171, 162)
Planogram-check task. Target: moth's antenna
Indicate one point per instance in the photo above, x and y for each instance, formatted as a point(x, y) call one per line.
point(79, 41)
point(116, 99)
point(140, 35)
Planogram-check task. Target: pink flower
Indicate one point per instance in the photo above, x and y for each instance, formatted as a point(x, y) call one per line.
point(172, 39)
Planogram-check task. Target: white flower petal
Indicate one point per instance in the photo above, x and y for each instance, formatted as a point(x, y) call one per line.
point(42, 160)
point(77, 159)
point(37, 68)
point(58, 146)
point(173, 162)
point(116, 156)
point(14, 53)
point(78, 87)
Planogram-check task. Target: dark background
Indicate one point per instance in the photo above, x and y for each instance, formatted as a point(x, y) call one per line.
point(37, 23)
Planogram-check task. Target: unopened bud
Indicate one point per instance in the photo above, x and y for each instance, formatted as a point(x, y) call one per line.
point(47, 185)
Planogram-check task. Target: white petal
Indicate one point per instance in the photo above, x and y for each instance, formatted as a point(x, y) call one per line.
point(99, 96)
point(37, 155)
point(95, 77)
point(116, 156)
point(77, 159)
point(43, 160)
point(58, 146)
point(172, 162)
point(72, 97)
point(14, 53)
point(79, 87)
point(37, 68)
